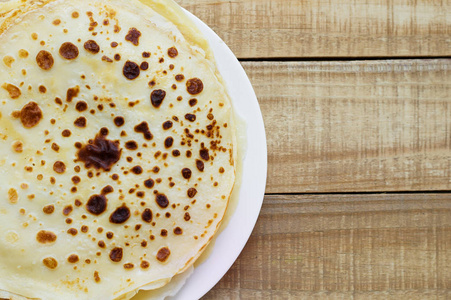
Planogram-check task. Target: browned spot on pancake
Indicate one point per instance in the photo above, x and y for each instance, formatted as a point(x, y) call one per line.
point(23, 53)
point(116, 254)
point(49, 209)
point(143, 128)
point(101, 244)
point(84, 228)
point(146, 215)
point(149, 183)
point(133, 36)
point(178, 231)
point(157, 97)
point(137, 170)
point(172, 52)
point(144, 65)
point(59, 167)
point(67, 210)
point(187, 217)
point(120, 215)
point(107, 59)
point(179, 77)
point(96, 276)
point(14, 91)
point(145, 264)
point(56, 22)
point(100, 153)
point(168, 142)
point(190, 117)
point(72, 231)
point(81, 106)
point(129, 266)
point(194, 86)
point(130, 70)
point(131, 145)
point(75, 15)
point(163, 254)
point(80, 122)
point(186, 173)
point(200, 165)
point(119, 121)
point(92, 46)
point(12, 195)
point(117, 57)
point(96, 204)
point(107, 190)
point(55, 147)
point(30, 114)
point(109, 235)
point(72, 93)
point(167, 125)
point(73, 258)
point(114, 44)
point(45, 60)
point(18, 146)
point(191, 192)
point(66, 133)
point(204, 154)
point(45, 237)
point(162, 200)
point(50, 262)
point(68, 50)
point(42, 89)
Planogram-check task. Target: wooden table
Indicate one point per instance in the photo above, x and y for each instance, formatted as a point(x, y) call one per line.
point(356, 98)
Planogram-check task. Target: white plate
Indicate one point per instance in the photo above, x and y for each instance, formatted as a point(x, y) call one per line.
point(232, 239)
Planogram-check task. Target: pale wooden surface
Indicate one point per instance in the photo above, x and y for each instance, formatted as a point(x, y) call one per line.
point(350, 144)
point(371, 246)
point(356, 126)
point(334, 28)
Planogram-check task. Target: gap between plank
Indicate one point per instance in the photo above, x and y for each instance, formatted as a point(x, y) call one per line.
point(294, 59)
point(364, 193)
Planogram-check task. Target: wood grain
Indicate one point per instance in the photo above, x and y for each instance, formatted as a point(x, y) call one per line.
point(356, 126)
point(373, 246)
point(335, 28)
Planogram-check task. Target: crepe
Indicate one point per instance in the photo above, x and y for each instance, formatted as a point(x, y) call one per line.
point(117, 147)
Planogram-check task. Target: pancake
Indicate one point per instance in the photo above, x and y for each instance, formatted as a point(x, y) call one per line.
point(117, 147)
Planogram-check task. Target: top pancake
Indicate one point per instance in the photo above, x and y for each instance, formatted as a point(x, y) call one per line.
point(117, 147)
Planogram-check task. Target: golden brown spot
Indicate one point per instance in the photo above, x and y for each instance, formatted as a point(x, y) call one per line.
point(133, 36)
point(8, 60)
point(12, 195)
point(96, 204)
point(163, 254)
point(45, 60)
point(145, 264)
point(18, 146)
point(92, 46)
point(68, 51)
point(80, 122)
point(30, 115)
point(66, 133)
point(172, 52)
point(49, 209)
point(42, 89)
point(75, 15)
point(59, 167)
point(194, 86)
point(72, 231)
point(14, 91)
point(45, 237)
point(72, 93)
point(116, 254)
point(178, 231)
point(96, 276)
point(73, 258)
point(56, 22)
point(50, 262)
point(191, 192)
point(128, 266)
point(23, 53)
point(67, 210)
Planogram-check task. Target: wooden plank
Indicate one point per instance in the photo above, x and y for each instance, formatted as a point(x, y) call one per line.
point(372, 246)
point(335, 28)
point(356, 126)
